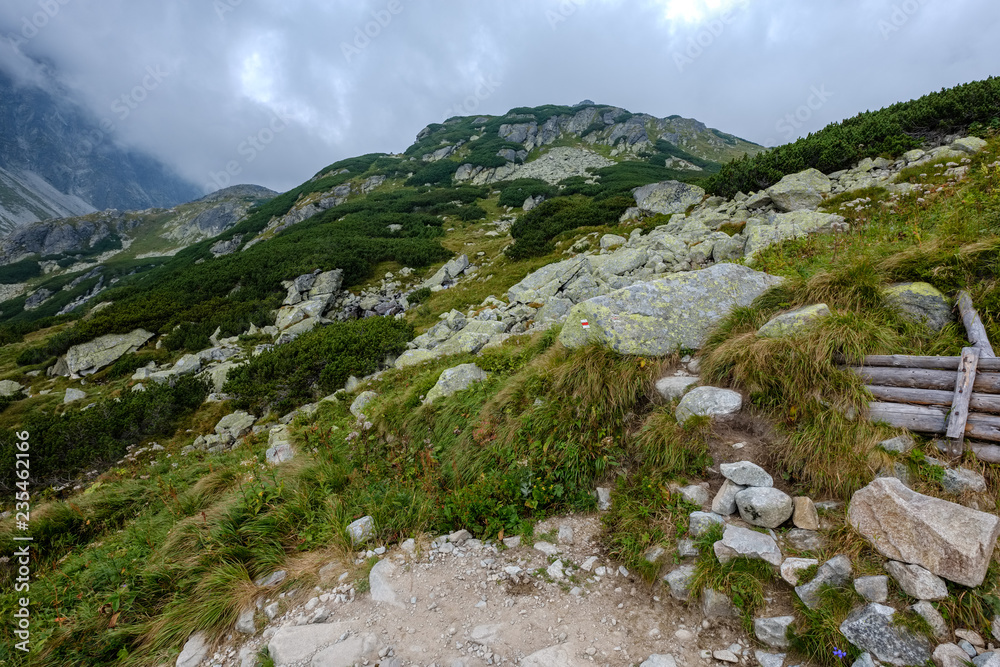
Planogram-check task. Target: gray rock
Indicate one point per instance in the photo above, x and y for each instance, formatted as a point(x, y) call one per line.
point(773, 631)
point(620, 262)
point(805, 515)
point(362, 401)
point(195, 650)
point(560, 655)
point(988, 659)
point(235, 425)
point(746, 473)
point(963, 480)
point(764, 506)
point(686, 548)
point(245, 625)
point(921, 303)
point(708, 402)
point(272, 579)
point(793, 322)
point(762, 233)
point(742, 542)
point(865, 660)
point(668, 197)
point(187, 365)
point(679, 581)
point(969, 649)
point(414, 358)
point(952, 541)
point(969, 145)
point(297, 644)
point(454, 380)
point(10, 388)
point(73, 395)
point(725, 655)
point(804, 190)
point(380, 581)
point(900, 444)
point(547, 281)
point(546, 548)
point(603, 498)
point(929, 613)
point(873, 589)
point(765, 659)
point(565, 534)
point(835, 573)
point(361, 531)
point(804, 540)
point(673, 387)
point(694, 494)
point(279, 453)
point(730, 248)
point(950, 655)
point(716, 605)
point(792, 568)
point(870, 628)
point(700, 522)
point(609, 241)
point(916, 581)
point(91, 357)
point(659, 660)
point(995, 627)
point(448, 273)
point(724, 502)
point(660, 317)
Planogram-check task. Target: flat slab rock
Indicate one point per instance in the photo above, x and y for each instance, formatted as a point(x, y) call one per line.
point(950, 540)
point(871, 629)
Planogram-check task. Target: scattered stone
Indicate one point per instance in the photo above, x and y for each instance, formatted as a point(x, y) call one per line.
point(73, 395)
point(668, 197)
point(708, 402)
point(726, 656)
point(359, 404)
point(746, 473)
point(804, 190)
point(565, 534)
point(460, 536)
point(764, 232)
point(195, 650)
point(773, 631)
point(963, 480)
point(793, 322)
point(716, 605)
point(929, 613)
point(245, 624)
point(724, 502)
point(512, 542)
point(694, 494)
point(10, 388)
point(603, 498)
point(804, 540)
point(971, 636)
point(764, 506)
point(559, 655)
point(700, 522)
point(279, 453)
point(871, 629)
point(659, 660)
point(865, 660)
point(272, 579)
point(916, 581)
point(805, 515)
point(950, 540)
point(454, 380)
point(547, 548)
point(950, 655)
point(679, 581)
point(673, 387)
point(742, 542)
point(835, 573)
point(361, 530)
point(901, 444)
point(610, 241)
point(765, 659)
point(686, 548)
point(555, 570)
point(873, 589)
point(791, 568)
point(380, 582)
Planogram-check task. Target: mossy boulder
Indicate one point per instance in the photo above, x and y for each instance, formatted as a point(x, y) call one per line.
point(921, 303)
point(454, 380)
point(664, 316)
point(792, 322)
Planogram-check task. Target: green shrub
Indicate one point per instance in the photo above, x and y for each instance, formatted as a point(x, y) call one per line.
point(533, 232)
point(322, 360)
point(515, 192)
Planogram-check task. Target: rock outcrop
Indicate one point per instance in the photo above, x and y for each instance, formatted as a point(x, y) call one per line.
point(88, 358)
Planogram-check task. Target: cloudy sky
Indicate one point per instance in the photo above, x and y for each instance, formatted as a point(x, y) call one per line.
point(281, 88)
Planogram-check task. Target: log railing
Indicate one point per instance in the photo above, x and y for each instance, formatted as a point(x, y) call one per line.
point(955, 397)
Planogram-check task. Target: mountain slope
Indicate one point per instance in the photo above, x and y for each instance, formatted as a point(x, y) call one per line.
point(59, 160)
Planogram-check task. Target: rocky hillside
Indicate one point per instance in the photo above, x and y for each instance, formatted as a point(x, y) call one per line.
point(57, 160)
point(588, 414)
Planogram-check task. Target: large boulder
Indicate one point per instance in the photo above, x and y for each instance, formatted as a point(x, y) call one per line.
point(454, 380)
point(668, 197)
point(547, 281)
point(88, 358)
point(762, 233)
point(921, 303)
point(950, 540)
point(448, 273)
point(663, 316)
point(804, 190)
point(871, 629)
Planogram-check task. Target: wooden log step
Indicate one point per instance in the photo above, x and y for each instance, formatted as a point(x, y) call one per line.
point(974, 326)
point(931, 419)
point(989, 403)
point(989, 364)
point(919, 378)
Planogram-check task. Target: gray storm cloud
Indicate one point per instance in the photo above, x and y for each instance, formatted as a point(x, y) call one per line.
point(270, 92)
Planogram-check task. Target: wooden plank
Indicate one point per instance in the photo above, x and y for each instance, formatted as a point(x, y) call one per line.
point(959, 414)
point(974, 326)
point(927, 419)
point(932, 363)
point(988, 403)
point(919, 378)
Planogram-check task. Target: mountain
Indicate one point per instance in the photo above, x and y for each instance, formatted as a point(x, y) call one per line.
point(58, 160)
